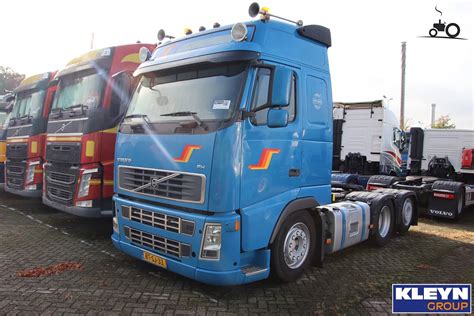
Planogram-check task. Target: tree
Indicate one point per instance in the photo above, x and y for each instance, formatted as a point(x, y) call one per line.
point(9, 79)
point(444, 121)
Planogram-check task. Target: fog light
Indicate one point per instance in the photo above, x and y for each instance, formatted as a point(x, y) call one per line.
point(30, 187)
point(115, 224)
point(87, 203)
point(211, 244)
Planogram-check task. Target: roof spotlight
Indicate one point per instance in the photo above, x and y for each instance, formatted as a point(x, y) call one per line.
point(144, 54)
point(239, 32)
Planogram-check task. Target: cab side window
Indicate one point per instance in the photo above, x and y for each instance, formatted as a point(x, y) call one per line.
point(261, 97)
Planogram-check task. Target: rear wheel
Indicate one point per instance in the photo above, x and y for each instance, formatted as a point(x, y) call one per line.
point(408, 209)
point(293, 248)
point(460, 205)
point(384, 225)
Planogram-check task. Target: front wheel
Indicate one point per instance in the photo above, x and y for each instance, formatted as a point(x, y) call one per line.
point(293, 248)
point(433, 32)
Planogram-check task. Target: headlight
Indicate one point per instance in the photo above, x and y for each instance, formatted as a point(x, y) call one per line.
point(30, 172)
point(211, 245)
point(115, 224)
point(84, 185)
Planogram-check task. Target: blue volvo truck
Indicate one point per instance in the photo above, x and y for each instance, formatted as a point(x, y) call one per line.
point(223, 161)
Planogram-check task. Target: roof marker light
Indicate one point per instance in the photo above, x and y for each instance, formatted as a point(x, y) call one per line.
point(216, 25)
point(188, 31)
point(239, 32)
point(202, 28)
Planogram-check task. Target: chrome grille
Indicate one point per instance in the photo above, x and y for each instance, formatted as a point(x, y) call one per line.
point(159, 220)
point(15, 182)
point(158, 243)
point(166, 184)
point(61, 178)
point(15, 170)
point(59, 194)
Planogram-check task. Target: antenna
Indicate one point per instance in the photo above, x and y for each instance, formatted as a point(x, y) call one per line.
point(254, 9)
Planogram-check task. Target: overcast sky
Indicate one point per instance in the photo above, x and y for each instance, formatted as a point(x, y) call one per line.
point(38, 36)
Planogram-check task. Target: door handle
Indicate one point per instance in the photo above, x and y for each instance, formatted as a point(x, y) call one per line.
point(294, 172)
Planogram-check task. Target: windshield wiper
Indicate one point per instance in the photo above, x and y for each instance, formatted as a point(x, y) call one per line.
point(144, 117)
point(57, 112)
point(75, 106)
point(189, 113)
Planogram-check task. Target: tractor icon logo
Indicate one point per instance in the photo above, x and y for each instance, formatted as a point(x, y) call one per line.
point(452, 29)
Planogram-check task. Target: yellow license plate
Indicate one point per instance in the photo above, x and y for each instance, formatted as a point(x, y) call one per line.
point(161, 262)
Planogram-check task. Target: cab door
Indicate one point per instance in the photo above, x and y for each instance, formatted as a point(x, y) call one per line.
point(271, 161)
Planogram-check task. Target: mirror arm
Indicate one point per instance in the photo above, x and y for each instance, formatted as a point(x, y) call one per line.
point(247, 114)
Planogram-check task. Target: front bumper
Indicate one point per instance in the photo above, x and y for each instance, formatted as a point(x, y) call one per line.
point(220, 278)
point(90, 212)
point(231, 268)
point(24, 193)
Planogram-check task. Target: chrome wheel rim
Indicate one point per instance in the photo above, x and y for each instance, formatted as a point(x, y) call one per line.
point(407, 212)
point(384, 221)
point(296, 245)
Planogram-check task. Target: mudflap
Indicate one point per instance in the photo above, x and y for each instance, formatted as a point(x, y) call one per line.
point(445, 199)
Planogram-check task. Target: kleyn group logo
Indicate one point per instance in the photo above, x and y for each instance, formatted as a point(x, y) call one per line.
point(431, 298)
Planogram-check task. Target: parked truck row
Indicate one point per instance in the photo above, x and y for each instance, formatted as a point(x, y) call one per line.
point(223, 143)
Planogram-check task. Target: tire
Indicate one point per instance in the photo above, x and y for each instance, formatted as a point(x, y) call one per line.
point(284, 267)
point(453, 35)
point(408, 208)
point(384, 224)
point(460, 208)
point(433, 32)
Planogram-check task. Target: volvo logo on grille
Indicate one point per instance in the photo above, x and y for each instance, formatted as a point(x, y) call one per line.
point(63, 127)
point(155, 182)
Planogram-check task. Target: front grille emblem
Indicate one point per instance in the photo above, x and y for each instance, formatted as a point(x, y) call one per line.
point(154, 182)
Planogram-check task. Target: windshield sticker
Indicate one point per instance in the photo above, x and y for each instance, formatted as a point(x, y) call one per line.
point(221, 105)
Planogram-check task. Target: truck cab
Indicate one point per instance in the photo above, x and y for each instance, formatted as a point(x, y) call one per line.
point(223, 161)
point(93, 91)
point(26, 135)
point(5, 108)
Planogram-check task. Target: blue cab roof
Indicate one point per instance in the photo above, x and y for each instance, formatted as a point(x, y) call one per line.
point(270, 40)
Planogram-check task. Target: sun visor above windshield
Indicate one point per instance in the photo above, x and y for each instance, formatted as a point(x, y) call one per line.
point(227, 56)
point(39, 81)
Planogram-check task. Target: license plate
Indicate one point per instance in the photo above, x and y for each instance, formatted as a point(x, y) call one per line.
point(156, 260)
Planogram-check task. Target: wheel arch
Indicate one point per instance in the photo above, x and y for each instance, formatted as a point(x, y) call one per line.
point(309, 204)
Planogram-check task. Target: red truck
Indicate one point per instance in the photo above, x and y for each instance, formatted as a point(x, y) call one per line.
point(92, 98)
point(26, 135)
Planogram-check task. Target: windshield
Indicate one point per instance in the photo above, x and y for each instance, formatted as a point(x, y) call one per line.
point(209, 92)
point(83, 88)
point(29, 103)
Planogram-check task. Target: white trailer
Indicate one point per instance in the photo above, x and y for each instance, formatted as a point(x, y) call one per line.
point(367, 138)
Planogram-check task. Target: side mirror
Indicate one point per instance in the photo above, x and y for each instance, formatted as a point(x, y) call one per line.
point(281, 88)
point(277, 118)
